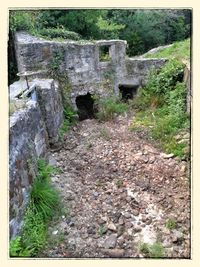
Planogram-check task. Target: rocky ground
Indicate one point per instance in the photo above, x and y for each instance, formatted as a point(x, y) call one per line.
point(118, 191)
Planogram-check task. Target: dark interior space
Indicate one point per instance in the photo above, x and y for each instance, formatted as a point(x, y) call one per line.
point(85, 105)
point(128, 91)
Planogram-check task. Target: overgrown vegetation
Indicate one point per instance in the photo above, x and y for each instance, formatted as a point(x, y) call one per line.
point(178, 50)
point(44, 203)
point(152, 251)
point(109, 107)
point(161, 106)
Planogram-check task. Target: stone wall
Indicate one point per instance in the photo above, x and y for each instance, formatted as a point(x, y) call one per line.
point(32, 128)
point(82, 63)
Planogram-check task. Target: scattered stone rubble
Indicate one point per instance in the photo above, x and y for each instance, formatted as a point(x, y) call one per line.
point(118, 192)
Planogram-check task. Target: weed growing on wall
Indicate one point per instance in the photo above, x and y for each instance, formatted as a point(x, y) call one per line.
point(44, 203)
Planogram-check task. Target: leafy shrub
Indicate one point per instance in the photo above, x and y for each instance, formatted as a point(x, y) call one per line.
point(17, 249)
point(108, 108)
point(162, 106)
point(69, 114)
point(58, 33)
point(21, 20)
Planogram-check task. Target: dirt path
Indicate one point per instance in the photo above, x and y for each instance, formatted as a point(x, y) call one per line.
point(118, 191)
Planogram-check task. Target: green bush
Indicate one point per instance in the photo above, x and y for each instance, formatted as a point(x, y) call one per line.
point(58, 33)
point(21, 20)
point(17, 249)
point(162, 106)
point(108, 108)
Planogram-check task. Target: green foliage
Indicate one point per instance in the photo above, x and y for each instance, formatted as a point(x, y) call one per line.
point(44, 170)
point(21, 20)
point(108, 108)
point(54, 65)
point(108, 28)
point(162, 106)
point(178, 50)
point(82, 21)
point(171, 223)
point(17, 249)
point(152, 251)
point(34, 230)
point(44, 198)
point(70, 117)
point(61, 33)
point(44, 202)
point(69, 114)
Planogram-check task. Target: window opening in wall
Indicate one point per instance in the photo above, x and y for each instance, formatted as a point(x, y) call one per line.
point(128, 91)
point(85, 105)
point(104, 53)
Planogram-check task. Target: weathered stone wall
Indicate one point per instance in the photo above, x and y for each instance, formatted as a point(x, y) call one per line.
point(28, 141)
point(50, 102)
point(81, 61)
point(32, 128)
point(137, 70)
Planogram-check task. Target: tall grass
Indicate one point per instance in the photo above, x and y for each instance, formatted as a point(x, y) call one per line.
point(43, 204)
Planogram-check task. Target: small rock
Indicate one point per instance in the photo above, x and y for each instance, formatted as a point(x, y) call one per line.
point(55, 232)
point(115, 253)
point(183, 168)
point(145, 159)
point(167, 156)
point(128, 199)
point(71, 223)
point(121, 221)
point(112, 227)
point(120, 230)
point(105, 219)
point(144, 218)
point(151, 159)
point(137, 228)
point(85, 235)
point(177, 236)
point(186, 136)
point(127, 215)
point(52, 161)
point(111, 241)
point(95, 194)
point(166, 243)
point(135, 212)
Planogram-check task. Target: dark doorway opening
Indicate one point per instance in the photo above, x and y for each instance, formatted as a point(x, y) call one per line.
point(85, 105)
point(128, 91)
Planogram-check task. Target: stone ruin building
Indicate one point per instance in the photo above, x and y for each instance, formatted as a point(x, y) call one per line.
point(35, 126)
